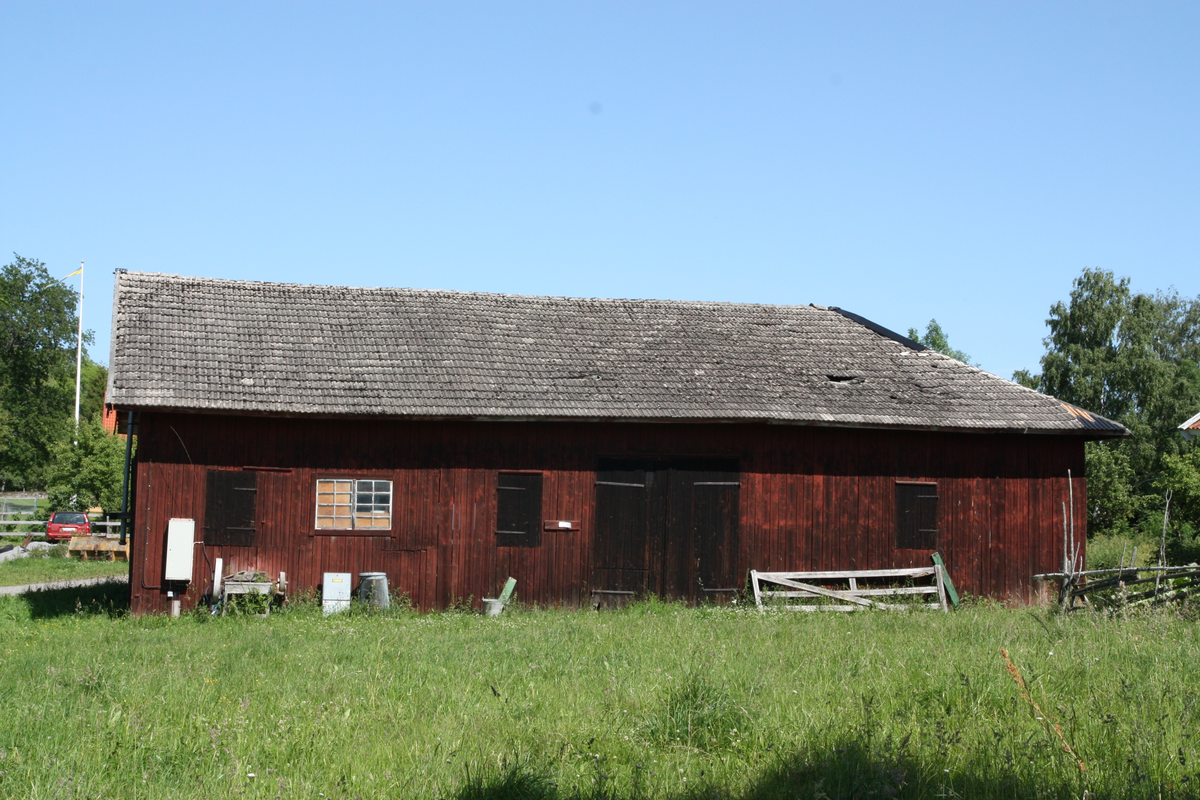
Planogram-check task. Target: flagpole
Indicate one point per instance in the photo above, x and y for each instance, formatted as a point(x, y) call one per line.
point(79, 353)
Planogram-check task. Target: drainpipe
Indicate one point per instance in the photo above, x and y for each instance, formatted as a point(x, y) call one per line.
point(125, 480)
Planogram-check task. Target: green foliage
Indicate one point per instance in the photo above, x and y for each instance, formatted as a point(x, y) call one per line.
point(1181, 477)
point(93, 383)
point(935, 339)
point(552, 705)
point(90, 472)
point(38, 326)
point(1132, 358)
point(1113, 505)
point(1110, 552)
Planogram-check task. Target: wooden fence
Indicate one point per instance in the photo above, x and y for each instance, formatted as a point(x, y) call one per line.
point(851, 590)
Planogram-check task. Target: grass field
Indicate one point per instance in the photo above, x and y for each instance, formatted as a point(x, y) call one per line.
point(44, 566)
point(653, 701)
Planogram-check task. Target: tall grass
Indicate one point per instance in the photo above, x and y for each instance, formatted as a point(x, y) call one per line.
point(652, 701)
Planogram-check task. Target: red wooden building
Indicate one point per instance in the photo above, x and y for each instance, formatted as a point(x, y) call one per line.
point(593, 449)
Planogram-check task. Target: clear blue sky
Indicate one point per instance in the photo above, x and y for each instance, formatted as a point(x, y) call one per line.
point(904, 161)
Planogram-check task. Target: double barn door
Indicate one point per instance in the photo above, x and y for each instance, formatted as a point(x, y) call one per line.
point(665, 527)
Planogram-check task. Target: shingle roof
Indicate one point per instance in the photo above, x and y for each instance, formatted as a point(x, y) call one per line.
point(272, 348)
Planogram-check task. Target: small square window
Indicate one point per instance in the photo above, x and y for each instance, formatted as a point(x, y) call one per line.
point(347, 505)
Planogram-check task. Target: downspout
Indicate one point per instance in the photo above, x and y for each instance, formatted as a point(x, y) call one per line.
point(125, 480)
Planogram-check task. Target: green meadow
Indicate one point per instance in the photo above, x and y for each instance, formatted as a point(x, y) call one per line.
point(651, 701)
point(46, 566)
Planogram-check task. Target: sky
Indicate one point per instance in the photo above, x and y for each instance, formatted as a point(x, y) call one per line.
point(904, 161)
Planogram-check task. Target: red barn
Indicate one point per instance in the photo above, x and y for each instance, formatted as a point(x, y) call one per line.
point(592, 449)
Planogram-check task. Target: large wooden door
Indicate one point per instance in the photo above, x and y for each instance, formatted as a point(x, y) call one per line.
point(665, 527)
point(706, 507)
point(621, 557)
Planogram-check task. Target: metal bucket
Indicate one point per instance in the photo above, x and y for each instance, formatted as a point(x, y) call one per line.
point(373, 590)
point(492, 607)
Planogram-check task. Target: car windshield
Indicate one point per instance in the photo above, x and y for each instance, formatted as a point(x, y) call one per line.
point(69, 518)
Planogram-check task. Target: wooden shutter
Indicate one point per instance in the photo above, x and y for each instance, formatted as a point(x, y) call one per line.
point(230, 506)
point(916, 516)
point(519, 510)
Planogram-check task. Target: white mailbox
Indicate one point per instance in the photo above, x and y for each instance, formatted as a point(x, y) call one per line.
point(181, 544)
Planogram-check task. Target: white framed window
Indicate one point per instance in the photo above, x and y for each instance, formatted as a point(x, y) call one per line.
point(345, 504)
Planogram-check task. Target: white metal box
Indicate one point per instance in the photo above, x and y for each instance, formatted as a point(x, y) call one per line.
point(335, 592)
point(181, 545)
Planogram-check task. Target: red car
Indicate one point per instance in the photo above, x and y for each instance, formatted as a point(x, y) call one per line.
point(65, 524)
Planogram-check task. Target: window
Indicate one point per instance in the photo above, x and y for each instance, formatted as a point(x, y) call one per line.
point(916, 516)
point(230, 505)
point(519, 510)
point(354, 505)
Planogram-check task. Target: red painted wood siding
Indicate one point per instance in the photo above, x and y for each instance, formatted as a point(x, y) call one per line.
point(811, 498)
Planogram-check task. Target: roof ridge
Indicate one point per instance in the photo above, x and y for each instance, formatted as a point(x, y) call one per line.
point(468, 292)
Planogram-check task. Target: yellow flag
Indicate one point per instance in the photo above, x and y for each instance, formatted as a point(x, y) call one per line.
point(76, 272)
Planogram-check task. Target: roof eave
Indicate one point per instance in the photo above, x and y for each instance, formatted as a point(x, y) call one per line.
point(614, 419)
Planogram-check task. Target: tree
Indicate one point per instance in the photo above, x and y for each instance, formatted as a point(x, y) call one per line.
point(935, 339)
point(1132, 358)
point(90, 473)
point(1181, 477)
point(94, 382)
point(37, 383)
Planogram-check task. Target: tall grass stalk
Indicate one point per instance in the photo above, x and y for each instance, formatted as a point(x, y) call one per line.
point(652, 701)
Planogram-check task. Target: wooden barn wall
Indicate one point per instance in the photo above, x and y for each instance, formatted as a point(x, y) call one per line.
point(811, 498)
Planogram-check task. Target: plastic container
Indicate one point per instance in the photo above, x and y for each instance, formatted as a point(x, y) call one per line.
point(373, 590)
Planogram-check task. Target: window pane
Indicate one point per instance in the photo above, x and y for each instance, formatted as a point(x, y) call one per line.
point(334, 504)
point(373, 504)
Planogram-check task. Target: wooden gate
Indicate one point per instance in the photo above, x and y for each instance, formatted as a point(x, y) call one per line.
point(852, 590)
point(665, 527)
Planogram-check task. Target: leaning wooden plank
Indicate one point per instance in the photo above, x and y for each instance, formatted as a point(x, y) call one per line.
point(757, 591)
point(505, 595)
point(937, 561)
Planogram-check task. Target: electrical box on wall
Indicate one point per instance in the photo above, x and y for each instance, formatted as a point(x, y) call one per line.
point(181, 545)
point(335, 592)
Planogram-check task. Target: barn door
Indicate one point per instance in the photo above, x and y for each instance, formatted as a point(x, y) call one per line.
point(702, 534)
point(667, 528)
point(621, 556)
point(712, 508)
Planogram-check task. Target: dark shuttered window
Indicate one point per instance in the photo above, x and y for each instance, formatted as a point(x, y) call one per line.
point(916, 516)
point(519, 510)
point(230, 504)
